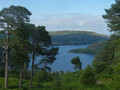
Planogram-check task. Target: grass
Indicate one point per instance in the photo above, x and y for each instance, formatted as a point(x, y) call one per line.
point(68, 81)
point(14, 83)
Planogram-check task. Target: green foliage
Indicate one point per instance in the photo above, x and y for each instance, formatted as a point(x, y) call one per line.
point(109, 56)
point(76, 37)
point(61, 73)
point(14, 73)
point(88, 76)
point(108, 53)
point(13, 83)
point(14, 18)
point(26, 72)
point(25, 39)
point(56, 80)
point(117, 54)
point(42, 76)
point(41, 41)
point(76, 62)
point(20, 44)
point(2, 72)
point(112, 16)
point(2, 52)
point(114, 82)
point(14, 15)
point(108, 70)
point(68, 81)
point(99, 66)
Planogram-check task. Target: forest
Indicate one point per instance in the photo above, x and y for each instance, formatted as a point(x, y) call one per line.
point(76, 37)
point(21, 42)
point(95, 48)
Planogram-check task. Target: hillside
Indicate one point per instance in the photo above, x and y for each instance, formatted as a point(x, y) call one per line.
point(92, 49)
point(76, 37)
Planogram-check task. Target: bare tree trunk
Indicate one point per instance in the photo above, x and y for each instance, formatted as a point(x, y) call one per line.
point(7, 53)
point(21, 75)
point(31, 79)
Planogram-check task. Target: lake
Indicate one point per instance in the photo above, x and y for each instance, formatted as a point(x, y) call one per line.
point(63, 61)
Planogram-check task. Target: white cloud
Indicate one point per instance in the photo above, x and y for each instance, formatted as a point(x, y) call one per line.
point(72, 22)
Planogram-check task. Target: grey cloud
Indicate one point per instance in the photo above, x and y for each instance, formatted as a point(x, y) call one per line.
point(72, 22)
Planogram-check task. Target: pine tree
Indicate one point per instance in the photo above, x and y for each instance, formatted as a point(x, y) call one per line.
point(41, 41)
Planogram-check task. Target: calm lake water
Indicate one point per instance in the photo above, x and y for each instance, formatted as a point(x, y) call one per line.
point(63, 61)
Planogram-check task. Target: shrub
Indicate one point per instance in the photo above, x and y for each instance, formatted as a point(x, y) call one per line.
point(114, 82)
point(42, 76)
point(99, 66)
point(88, 76)
point(56, 80)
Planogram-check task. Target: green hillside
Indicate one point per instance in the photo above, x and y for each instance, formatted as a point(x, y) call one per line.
point(76, 37)
point(92, 49)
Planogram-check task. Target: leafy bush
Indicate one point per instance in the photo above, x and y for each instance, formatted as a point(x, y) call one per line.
point(56, 80)
point(14, 83)
point(114, 82)
point(42, 76)
point(88, 76)
point(99, 66)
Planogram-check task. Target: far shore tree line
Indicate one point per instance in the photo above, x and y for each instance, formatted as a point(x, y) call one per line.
point(21, 42)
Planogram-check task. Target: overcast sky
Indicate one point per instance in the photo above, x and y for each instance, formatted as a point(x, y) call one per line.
point(66, 14)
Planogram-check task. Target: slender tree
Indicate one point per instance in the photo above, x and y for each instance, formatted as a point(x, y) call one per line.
point(5, 23)
point(20, 48)
point(11, 18)
point(41, 41)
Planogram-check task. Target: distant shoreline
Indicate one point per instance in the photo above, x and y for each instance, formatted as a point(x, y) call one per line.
point(92, 49)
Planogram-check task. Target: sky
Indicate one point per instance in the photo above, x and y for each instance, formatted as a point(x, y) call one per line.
point(85, 15)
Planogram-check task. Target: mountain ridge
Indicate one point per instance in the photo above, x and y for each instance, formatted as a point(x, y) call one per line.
point(75, 31)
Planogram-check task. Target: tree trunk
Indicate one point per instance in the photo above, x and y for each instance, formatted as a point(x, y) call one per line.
point(7, 53)
point(21, 75)
point(6, 69)
point(31, 79)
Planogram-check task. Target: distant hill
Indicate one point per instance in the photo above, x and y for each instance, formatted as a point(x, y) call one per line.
point(92, 49)
point(76, 37)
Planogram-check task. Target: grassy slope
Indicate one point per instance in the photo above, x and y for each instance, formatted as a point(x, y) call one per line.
point(69, 81)
point(76, 37)
point(13, 83)
point(92, 49)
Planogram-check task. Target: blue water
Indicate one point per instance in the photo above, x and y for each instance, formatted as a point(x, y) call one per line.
point(63, 61)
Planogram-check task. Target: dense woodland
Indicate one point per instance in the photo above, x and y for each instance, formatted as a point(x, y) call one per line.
point(95, 48)
point(28, 41)
point(76, 37)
